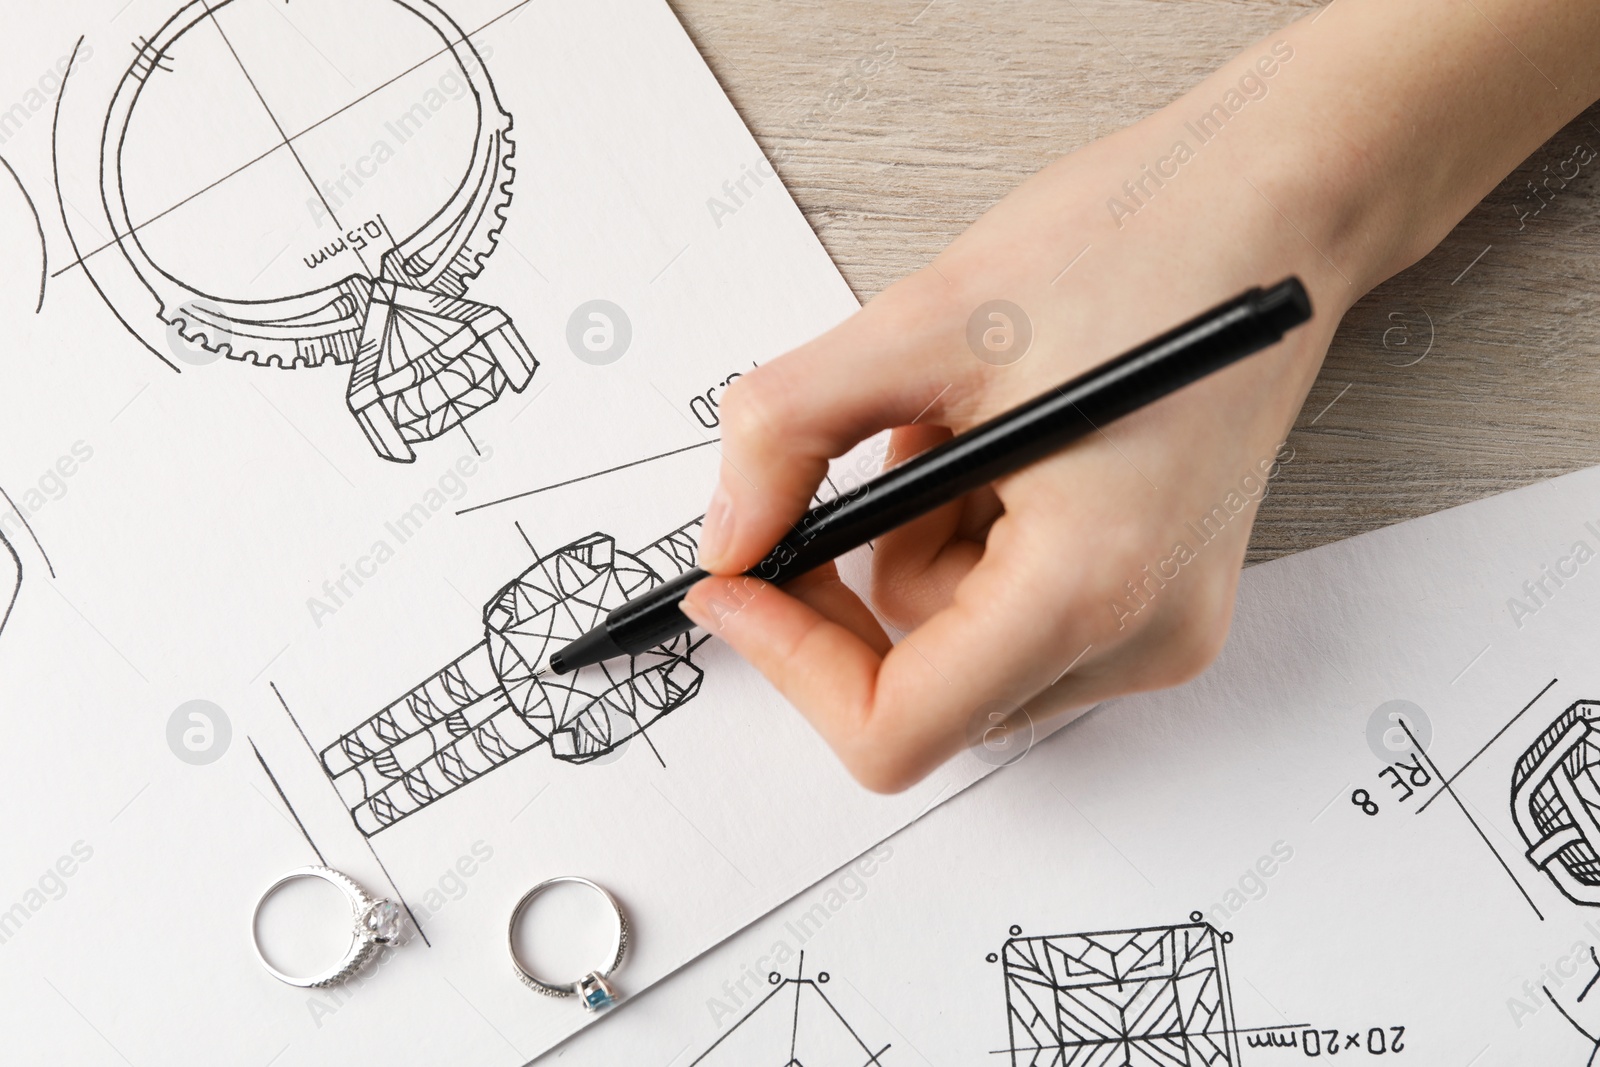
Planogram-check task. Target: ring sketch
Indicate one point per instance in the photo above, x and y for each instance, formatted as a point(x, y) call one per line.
point(794, 1025)
point(488, 706)
point(1571, 1011)
point(1555, 802)
point(423, 358)
point(38, 224)
point(1158, 995)
point(14, 523)
point(10, 580)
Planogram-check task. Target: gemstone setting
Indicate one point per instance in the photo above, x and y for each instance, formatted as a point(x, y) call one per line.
point(596, 993)
point(383, 922)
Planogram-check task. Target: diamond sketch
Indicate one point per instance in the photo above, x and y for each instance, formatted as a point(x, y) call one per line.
point(1555, 802)
point(1148, 997)
point(794, 1025)
point(423, 358)
point(488, 707)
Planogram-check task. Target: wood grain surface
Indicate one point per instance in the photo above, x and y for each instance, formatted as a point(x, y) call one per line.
point(1474, 372)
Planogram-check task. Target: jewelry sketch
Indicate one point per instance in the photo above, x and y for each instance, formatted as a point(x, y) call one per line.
point(10, 580)
point(38, 225)
point(1555, 802)
point(1155, 995)
point(796, 1025)
point(423, 358)
point(488, 706)
point(12, 571)
point(1574, 1010)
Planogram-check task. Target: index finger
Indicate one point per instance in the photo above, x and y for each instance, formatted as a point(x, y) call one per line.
point(893, 717)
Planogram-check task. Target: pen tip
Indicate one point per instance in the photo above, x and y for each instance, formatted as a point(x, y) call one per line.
point(1286, 305)
point(550, 668)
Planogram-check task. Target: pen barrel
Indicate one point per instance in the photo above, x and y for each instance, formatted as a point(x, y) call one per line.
point(994, 449)
point(653, 619)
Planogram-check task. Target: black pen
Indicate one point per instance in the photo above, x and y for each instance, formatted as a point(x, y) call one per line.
point(1003, 445)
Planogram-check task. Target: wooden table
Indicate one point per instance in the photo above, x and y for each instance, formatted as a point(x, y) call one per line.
point(892, 166)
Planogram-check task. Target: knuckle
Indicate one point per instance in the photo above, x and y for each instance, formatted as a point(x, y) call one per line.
point(883, 749)
point(754, 408)
point(878, 771)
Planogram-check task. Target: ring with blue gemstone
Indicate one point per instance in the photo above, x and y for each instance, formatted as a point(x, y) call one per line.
point(374, 924)
point(594, 990)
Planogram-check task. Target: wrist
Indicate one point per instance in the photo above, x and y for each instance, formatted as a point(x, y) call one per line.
point(1291, 179)
point(1386, 121)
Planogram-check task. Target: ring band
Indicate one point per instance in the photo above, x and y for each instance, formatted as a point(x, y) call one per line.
point(593, 990)
point(374, 923)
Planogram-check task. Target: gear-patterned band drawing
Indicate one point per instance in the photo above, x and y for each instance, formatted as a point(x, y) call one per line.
point(488, 706)
point(1555, 802)
point(423, 357)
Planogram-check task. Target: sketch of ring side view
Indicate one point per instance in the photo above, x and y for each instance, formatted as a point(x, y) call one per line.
point(795, 1025)
point(300, 215)
point(488, 706)
point(1555, 802)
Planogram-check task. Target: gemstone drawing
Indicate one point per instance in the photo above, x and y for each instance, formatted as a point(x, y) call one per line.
point(491, 705)
point(1152, 996)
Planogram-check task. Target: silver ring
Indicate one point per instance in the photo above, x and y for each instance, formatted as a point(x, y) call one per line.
point(593, 990)
point(374, 923)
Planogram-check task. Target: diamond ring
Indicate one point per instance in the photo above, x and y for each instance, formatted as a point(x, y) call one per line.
point(374, 923)
point(593, 990)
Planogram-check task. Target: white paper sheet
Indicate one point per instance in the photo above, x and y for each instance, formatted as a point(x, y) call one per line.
point(1192, 877)
point(229, 566)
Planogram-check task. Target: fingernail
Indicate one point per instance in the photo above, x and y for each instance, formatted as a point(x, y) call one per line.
point(717, 533)
point(700, 618)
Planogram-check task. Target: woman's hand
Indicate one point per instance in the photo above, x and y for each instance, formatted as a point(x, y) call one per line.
point(1112, 567)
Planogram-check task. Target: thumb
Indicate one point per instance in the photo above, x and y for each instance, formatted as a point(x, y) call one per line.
point(888, 365)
